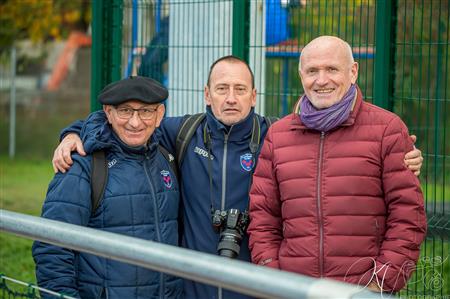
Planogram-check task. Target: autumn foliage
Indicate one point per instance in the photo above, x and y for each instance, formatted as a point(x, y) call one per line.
point(42, 20)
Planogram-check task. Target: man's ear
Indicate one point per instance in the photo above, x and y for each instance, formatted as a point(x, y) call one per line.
point(354, 71)
point(207, 94)
point(108, 111)
point(160, 114)
point(254, 93)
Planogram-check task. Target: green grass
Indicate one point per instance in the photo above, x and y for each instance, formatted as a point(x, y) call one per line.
point(24, 180)
point(23, 186)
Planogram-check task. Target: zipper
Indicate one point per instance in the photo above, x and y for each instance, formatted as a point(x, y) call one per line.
point(224, 169)
point(319, 206)
point(156, 214)
point(224, 185)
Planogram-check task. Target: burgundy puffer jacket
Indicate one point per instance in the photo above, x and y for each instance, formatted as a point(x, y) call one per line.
point(340, 204)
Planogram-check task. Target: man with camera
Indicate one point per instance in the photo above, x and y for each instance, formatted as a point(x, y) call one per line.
point(216, 168)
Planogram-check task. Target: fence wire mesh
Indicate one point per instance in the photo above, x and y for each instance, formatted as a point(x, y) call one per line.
point(175, 41)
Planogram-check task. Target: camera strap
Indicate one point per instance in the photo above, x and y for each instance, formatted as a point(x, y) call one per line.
point(207, 142)
point(254, 144)
point(255, 141)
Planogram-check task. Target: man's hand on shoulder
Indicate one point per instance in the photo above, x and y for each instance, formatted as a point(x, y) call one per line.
point(62, 159)
point(414, 159)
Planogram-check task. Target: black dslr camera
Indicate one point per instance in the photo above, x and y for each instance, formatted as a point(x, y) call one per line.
point(231, 225)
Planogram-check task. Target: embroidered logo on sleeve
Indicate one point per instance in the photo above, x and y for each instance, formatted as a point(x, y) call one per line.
point(247, 161)
point(167, 179)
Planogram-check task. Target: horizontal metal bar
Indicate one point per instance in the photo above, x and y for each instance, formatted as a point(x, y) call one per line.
point(235, 275)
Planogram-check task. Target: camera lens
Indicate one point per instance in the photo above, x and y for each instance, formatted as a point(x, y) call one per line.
point(230, 243)
point(231, 225)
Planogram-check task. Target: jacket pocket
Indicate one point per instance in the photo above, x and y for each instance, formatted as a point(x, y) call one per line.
point(377, 235)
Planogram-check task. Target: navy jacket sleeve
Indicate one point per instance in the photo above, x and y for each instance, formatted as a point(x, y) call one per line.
point(95, 118)
point(167, 132)
point(68, 200)
point(74, 127)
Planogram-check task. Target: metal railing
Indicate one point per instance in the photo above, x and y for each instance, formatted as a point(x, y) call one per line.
point(235, 275)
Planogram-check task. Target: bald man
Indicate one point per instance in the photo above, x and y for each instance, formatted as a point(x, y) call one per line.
point(331, 195)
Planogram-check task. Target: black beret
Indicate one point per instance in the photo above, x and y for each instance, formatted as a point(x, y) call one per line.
point(133, 88)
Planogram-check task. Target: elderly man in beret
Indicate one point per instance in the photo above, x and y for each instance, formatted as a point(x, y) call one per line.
point(132, 204)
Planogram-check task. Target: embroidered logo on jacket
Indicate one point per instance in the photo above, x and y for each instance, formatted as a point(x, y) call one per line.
point(112, 163)
point(202, 152)
point(247, 161)
point(167, 179)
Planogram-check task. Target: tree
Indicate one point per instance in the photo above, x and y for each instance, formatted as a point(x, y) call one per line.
point(41, 20)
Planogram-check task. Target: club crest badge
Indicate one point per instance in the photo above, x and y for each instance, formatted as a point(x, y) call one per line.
point(247, 161)
point(167, 179)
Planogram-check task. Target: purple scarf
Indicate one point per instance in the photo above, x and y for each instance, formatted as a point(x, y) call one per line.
point(329, 118)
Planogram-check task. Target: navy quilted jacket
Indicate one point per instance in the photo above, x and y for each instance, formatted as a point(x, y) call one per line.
point(232, 166)
point(141, 200)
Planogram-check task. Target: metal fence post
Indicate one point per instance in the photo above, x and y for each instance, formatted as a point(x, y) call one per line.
point(12, 106)
point(241, 19)
point(386, 11)
point(106, 45)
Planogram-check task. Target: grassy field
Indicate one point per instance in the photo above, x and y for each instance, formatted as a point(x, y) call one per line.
point(22, 189)
point(40, 116)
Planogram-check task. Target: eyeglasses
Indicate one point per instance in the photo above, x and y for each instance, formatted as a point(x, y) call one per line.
point(144, 113)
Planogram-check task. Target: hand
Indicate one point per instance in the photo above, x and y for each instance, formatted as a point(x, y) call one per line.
point(373, 286)
point(414, 159)
point(62, 159)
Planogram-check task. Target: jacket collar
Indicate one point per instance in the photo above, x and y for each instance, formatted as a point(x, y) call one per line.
point(237, 132)
point(104, 138)
point(146, 149)
point(296, 123)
